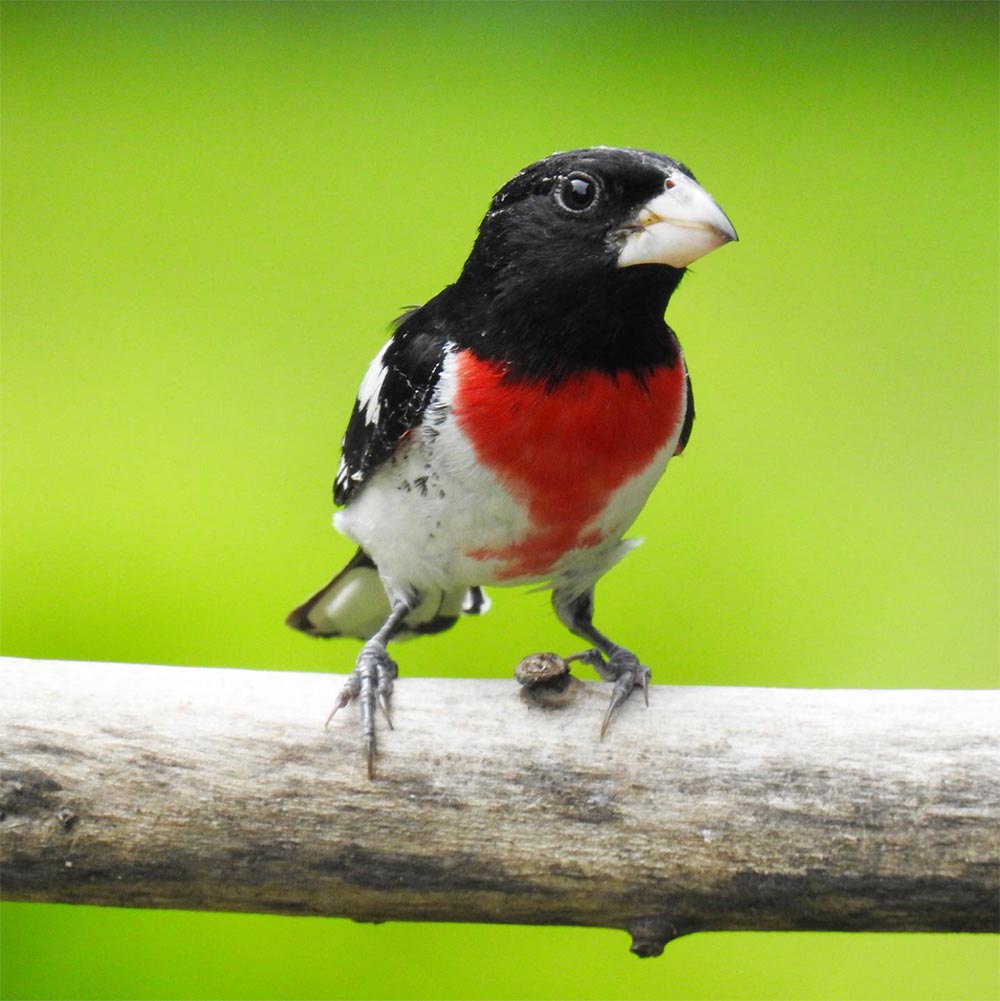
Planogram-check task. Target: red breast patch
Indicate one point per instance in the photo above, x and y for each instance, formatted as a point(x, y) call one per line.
point(563, 451)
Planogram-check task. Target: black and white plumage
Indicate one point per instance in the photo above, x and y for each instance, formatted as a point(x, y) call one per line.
point(512, 428)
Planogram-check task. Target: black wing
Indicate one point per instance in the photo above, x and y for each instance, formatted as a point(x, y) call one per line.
point(392, 399)
point(688, 420)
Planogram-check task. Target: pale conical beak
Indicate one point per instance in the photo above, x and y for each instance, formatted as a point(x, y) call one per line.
point(676, 227)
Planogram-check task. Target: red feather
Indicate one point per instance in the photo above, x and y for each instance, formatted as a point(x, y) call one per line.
point(563, 451)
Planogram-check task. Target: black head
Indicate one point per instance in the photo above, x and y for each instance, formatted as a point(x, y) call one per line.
point(592, 211)
point(583, 249)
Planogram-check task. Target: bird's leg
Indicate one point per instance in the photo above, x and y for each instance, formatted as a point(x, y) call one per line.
point(371, 680)
point(612, 662)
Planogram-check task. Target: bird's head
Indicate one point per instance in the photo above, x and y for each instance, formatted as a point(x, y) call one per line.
point(577, 258)
point(587, 212)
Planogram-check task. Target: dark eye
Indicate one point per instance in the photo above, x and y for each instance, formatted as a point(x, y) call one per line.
point(576, 192)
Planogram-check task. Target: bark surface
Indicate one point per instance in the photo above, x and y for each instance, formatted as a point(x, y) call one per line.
point(714, 808)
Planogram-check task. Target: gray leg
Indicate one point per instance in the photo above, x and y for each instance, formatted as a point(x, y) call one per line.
point(611, 661)
point(371, 681)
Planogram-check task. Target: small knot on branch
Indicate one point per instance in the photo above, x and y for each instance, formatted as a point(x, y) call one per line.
point(651, 934)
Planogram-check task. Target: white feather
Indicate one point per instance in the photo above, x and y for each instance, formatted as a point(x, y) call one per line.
point(370, 391)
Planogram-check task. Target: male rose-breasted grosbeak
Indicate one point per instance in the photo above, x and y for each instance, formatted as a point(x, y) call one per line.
point(512, 428)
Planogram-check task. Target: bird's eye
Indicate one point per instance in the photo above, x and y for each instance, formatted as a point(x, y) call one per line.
point(576, 192)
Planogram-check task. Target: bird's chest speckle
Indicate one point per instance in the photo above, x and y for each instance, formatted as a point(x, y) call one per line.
point(581, 457)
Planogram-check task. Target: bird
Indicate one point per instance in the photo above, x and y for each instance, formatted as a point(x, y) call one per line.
point(511, 428)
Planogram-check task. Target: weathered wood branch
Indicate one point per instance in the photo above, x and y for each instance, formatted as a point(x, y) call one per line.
point(715, 808)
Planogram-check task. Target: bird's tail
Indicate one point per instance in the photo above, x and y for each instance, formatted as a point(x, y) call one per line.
point(355, 604)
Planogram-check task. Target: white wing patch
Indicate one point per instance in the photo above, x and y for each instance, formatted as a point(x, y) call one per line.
point(340, 480)
point(370, 392)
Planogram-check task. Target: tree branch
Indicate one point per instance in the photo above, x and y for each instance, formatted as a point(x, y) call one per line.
point(715, 808)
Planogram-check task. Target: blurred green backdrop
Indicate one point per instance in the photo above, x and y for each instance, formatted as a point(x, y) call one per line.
point(210, 212)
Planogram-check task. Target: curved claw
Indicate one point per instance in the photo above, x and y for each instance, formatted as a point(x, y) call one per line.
point(621, 691)
point(383, 701)
point(612, 706)
point(350, 691)
point(624, 669)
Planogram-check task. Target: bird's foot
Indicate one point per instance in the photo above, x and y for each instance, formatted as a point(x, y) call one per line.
point(371, 684)
point(621, 667)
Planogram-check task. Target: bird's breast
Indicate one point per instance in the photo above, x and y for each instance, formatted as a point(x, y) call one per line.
point(581, 455)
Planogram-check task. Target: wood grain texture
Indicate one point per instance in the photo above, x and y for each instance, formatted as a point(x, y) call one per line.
point(715, 808)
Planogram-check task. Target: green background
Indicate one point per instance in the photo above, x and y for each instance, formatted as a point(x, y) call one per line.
point(211, 212)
